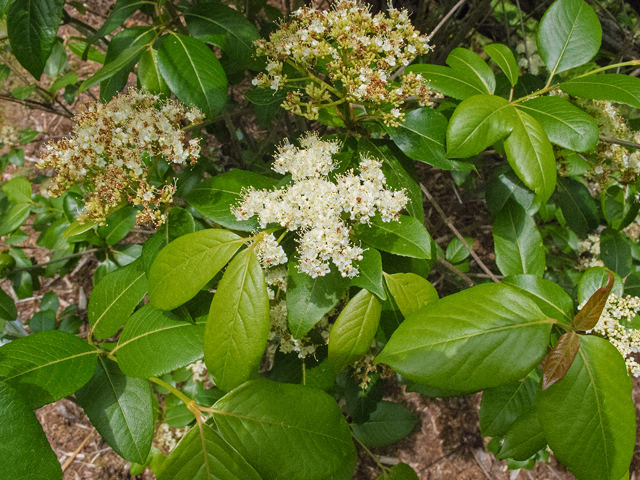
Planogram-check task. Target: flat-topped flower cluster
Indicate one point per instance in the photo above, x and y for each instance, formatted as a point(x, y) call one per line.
point(357, 52)
point(113, 148)
point(319, 209)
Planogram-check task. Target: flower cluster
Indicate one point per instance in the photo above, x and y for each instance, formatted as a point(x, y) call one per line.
point(113, 149)
point(354, 51)
point(589, 251)
point(9, 135)
point(316, 207)
point(614, 326)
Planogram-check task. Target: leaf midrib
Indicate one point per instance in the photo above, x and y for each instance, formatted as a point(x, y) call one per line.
point(106, 310)
point(24, 372)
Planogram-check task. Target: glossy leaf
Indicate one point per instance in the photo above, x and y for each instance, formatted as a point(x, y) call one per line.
point(411, 292)
point(518, 243)
point(530, 154)
point(370, 276)
point(238, 324)
point(464, 60)
point(204, 455)
point(505, 186)
point(587, 318)
point(179, 222)
point(354, 330)
point(610, 87)
point(478, 122)
point(118, 225)
point(389, 423)
point(501, 406)
point(184, 266)
point(149, 75)
point(14, 217)
point(550, 297)
point(560, 358)
point(154, 342)
point(47, 366)
point(619, 206)
point(18, 190)
point(32, 26)
point(503, 56)
point(453, 83)
point(482, 337)
point(588, 417)
point(456, 251)
point(578, 206)
point(25, 450)
point(310, 299)
point(565, 124)
point(401, 471)
point(193, 73)
point(114, 299)
point(406, 237)
point(615, 252)
point(122, 10)
point(524, 439)
point(595, 278)
point(286, 430)
point(421, 137)
point(128, 55)
point(569, 35)
point(361, 402)
point(120, 408)
point(8, 310)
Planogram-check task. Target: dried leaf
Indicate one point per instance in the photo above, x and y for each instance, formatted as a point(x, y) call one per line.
point(560, 359)
point(588, 317)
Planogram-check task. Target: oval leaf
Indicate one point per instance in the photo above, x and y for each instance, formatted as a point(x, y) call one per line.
point(411, 292)
point(550, 298)
point(524, 439)
point(185, 265)
point(286, 430)
point(612, 87)
point(389, 423)
point(587, 318)
point(464, 60)
point(406, 237)
point(238, 324)
point(47, 366)
point(615, 251)
point(355, 328)
point(479, 338)
point(370, 276)
point(578, 206)
point(503, 56)
point(560, 359)
point(448, 81)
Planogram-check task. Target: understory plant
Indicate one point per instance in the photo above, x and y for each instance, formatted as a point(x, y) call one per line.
point(273, 303)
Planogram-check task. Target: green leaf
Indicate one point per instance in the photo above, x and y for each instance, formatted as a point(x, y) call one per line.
point(42, 321)
point(565, 124)
point(77, 228)
point(155, 342)
point(518, 243)
point(506, 185)
point(589, 417)
point(550, 298)
point(453, 83)
point(18, 190)
point(238, 324)
point(456, 250)
point(25, 450)
point(8, 310)
point(389, 423)
point(612, 87)
point(204, 455)
point(503, 56)
point(578, 206)
point(362, 400)
point(114, 298)
point(401, 471)
point(530, 154)
point(411, 292)
point(120, 408)
point(179, 222)
point(14, 217)
point(70, 78)
point(32, 26)
point(619, 206)
point(593, 279)
point(421, 137)
point(569, 35)
point(395, 173)
point(464, 60)
point(482, 337)
point(501, 406)
point(478, 122)
point(118, 225)
point(286, 430)
point(184, 266)
point(57, 59)
point(524, 439)
point(215, 196)
point(122, 10)
point(370, 276)
point(47, 366)
point(310, 299)
point(354, 330)
point(224, 27)
point(406, 237)
point(588, 316)
point(615, 252)
point(149, 75)
point(128, 55)
point(94, 55)
point(193, 73)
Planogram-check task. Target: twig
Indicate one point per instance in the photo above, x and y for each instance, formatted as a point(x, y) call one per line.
point(458, 234)
point(479, 463)
point(483, 275)
point(77, 451)
point(446, 17)
point(617, 141)
point(524, 36)
point(457, 271)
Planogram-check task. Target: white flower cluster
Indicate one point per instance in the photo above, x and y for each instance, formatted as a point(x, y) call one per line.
point(9, 135)
point(276, 279)
point(619, 312)
point(166, 439)
point(314, 206)
point(589, 251)
point(269, 252)
point(200, 372)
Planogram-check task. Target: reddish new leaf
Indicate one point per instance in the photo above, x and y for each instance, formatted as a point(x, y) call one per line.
point(588, 317)
point(560, 359)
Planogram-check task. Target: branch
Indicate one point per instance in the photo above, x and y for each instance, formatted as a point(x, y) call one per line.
point(617, 141)
point(459, 235)
point(35, 105)
point(456, 270)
